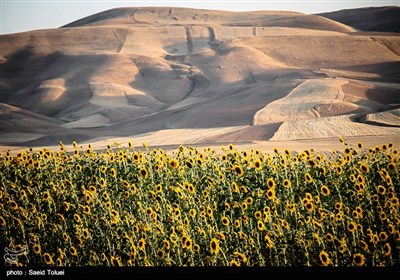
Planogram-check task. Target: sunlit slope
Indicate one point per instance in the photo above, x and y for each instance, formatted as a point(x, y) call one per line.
point(132, 71)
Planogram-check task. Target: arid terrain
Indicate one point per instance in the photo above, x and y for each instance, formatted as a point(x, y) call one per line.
point(171, 76)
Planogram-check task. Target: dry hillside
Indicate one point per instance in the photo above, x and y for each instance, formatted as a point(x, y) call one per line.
point(173, 76)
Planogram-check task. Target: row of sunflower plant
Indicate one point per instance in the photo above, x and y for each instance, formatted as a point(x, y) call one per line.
point(135, 206)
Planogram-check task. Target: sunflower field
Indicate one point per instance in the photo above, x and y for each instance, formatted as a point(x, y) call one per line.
point(136, 206)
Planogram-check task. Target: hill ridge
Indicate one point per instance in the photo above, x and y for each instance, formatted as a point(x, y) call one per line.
point(220, 76)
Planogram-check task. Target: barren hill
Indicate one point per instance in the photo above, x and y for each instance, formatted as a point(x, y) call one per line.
point(384, 19)
point(173, 76)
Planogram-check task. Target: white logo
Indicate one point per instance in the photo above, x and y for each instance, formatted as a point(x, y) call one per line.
point(11, 256)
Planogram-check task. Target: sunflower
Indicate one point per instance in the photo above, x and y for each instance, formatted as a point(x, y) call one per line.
point(324, 257)
point(191, 189)
point(188, 244)
point(284, 223)
point(92, 189)
point(381, 189)
point(3, 222)
point(271, 193)
point(257, 164)
point(287, 183)
point(269, 242)
point(149, 211)
point(159, 188)
point(166, 244)
point(260, 225)
point(392, 166)
point(47, 259)
point(43, 216)
point(270, 183)
point(257, 215)
point(192, 212)
point(363, 245)
point(384, 173)
point(113, 172)
point(214, 246)
point(241, 256)
point(86, 233)
point(237, 223)
point(103, 169)
point(102, 182)
point(59, 262)
point(220, 235)
point(238, 169)
point(77, 218)
point(234, 187)
point(359, 211)
point(364, 168)
point(234, 263)
point(72, 251)
point(312, 163)
point(160, 253)
point(106, 196)
point(387, 249)
point(37, 249)
point(78, 241)
point(86, 210)
point(310, 206)
point(249, 200)
point(116, 261)
point(103, 257)
point(358, 259)
point(242, 235)
point(355, 214)
point(186, 222)
point(290, 207)
point(308, 178)
point(13, 205)
point(202, 233)
point(142, 244)
point(391, 229)
point(37, 164)
point(189, 163)
point(325, 190)
point(143, 173)
point(66, 237)
point(360, 179)
point(396, 235)
point(115, 218)
point(225, 221)
point(329, 237)
point(78, 168)
point(338, 206)
point(173, 163)
point(383, 236)
point(351, 226)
